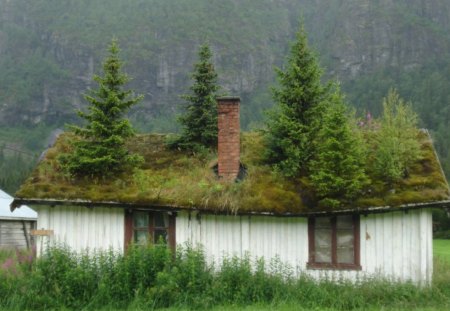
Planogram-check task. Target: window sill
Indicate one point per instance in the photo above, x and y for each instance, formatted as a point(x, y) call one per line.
point(328, 266)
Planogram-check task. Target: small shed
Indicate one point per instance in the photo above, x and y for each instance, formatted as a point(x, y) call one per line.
point(15, 227)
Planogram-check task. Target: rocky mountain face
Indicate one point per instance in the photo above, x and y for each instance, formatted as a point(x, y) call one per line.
point(49, 50)
point(366, 35)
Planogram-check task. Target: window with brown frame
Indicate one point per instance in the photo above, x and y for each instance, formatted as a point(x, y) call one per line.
point(144, 227)
point(334, 242)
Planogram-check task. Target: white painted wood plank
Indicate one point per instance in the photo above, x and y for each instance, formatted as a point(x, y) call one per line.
point(181, 228)
point(430, 245)
point(362, 240)
point(397, 242)
point(245, 234)
point(407, 247)
point(423, 245)
point(379, 251)
point(388, 224)
point(415, 246)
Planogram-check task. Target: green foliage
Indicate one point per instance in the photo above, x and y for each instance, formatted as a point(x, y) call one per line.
point(22, 164)
point(397, 146)
point(441, 249)
point(292, 126)
point(199, 121)
point(19, 153)
point(150, 277)
point(337, 167)
point(101, 150)
point(441, 224)
point(180, 178)
point(187, 280)
point(50, 43)
point(310, 133)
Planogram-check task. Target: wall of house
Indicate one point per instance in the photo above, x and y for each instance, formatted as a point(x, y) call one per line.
point(81, 228)
point(395, 245)
point(16, 233)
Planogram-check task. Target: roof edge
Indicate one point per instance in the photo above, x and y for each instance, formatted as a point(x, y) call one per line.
point(90, 204)
point(18, 218)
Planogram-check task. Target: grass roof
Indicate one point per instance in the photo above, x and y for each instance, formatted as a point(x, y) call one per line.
point(177, 179)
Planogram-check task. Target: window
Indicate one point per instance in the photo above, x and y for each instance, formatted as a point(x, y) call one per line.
point(142, 227)
point(334, 242)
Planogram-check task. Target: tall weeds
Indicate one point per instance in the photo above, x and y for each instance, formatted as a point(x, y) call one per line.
point(152, 277)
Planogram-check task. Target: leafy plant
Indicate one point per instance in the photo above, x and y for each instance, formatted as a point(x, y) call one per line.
point(397, 144)
point(150, 277)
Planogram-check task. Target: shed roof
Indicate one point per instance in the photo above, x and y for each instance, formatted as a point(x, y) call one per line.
point(22, 213)
point(172, 179)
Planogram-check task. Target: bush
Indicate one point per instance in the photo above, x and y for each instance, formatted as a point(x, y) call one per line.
point(397, 145)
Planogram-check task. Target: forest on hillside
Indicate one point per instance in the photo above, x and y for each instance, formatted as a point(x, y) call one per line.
point(49, 51)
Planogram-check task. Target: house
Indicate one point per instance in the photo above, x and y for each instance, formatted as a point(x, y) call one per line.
point(181, 198)
point(16, 226)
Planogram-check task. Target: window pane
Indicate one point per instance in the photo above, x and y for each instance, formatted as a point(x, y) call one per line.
point(323, 222)
point(345, 255)
point(140, 219)
point(344, 222)
point(323, 245)
point(161, 220)
point(160, 236)
point(140, 237)
point(345, 240)
point(323, 254)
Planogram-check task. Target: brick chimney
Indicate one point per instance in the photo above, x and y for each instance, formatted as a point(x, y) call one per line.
point(228, 137)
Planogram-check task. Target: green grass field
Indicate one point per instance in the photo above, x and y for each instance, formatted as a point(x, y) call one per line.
point(441, 249)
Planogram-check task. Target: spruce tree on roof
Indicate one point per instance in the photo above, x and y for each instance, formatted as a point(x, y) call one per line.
point(291, 125)
point(101, 150)
point(199, 121)
point(309, 134)
point(337, 169)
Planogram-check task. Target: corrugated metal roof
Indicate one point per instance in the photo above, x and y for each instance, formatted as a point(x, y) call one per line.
point(23, 212)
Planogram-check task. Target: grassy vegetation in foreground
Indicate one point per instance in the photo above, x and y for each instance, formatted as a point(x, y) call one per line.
point(441, 250)
point(152, 278)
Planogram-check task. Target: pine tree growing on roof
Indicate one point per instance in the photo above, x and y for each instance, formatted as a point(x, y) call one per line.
point(100, 149)
point(292, 124)
point(199, 121)
point(337, 169)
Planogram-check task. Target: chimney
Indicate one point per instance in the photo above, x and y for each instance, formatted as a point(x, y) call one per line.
point(228, 137)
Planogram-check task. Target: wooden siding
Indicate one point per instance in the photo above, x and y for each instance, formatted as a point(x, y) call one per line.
point(257, 236)
point(16, 233)
point(82, 228)
point(396, 245)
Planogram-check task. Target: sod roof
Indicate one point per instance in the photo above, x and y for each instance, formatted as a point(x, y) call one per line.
point(179, 180)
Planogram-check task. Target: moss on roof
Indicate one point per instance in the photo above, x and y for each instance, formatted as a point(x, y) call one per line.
point(174, 178)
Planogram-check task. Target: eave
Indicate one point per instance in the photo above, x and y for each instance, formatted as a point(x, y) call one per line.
point(363, 211)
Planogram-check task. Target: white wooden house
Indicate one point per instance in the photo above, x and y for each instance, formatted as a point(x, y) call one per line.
point(16, 226)
point(188, 198)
